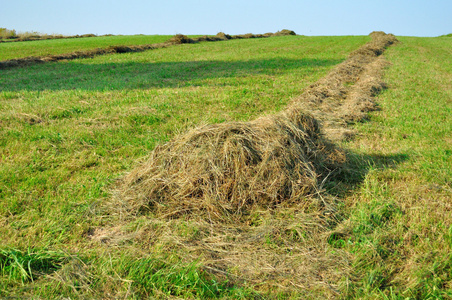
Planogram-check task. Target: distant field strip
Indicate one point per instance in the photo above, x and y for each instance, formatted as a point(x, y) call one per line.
point(30, 37)
point(55, 47)
point(125, 48)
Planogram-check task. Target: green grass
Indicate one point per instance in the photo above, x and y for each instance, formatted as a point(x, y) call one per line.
point(69, 129)
point(61, 46)
point(399, 224)
point(27, 265)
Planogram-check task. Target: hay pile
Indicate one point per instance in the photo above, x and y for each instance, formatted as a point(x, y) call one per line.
point(180, 39)
point(227, 178)
point(380, 41)
point(284, 32)
point(223, 36)
point(222, 171)
point(27, 38)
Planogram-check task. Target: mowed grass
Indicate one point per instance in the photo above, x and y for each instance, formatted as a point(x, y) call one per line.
point(60, 46)
point(69, 129)
point(399, 223)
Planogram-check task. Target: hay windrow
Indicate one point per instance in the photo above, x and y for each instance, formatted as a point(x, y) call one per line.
point(252, 191)
point(180, 39)
point(284, 32)
point(346, 94)
point(37, 37)
point(222, 171)
point(224, 36)
point(175, 40)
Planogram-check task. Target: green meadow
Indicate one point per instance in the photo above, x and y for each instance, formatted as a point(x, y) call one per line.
point(69, 130)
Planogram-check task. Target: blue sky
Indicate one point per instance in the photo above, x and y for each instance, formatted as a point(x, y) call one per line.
point(321, 17)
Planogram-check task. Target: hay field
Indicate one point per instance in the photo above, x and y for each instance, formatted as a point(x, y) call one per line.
point(53, 47)
point(70, 130)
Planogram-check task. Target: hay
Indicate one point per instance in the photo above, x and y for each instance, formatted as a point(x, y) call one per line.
point(204, 38)
point(249, 36)
point(252, 190)
point(223, 36)
point(176, 40)
point(223, 171)
point(180, 39)
point(380, 41)
point(207, 38)
point(284, 32)
point(346, 94)
point(27, 61)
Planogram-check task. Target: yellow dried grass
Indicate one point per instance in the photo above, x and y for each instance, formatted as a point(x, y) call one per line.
point(222, 171)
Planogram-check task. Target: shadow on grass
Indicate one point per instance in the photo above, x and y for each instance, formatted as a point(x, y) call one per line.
point(146, 75)
point(354, 172)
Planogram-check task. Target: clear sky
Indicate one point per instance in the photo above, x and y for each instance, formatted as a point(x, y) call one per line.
point(314, 17)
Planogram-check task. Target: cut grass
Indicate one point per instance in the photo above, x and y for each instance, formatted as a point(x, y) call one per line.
point(61, 149)
point(61, 46)
point(68, 129)
point(400, 218)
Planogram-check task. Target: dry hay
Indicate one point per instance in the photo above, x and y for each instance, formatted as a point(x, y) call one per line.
point(380, 41)
point(249, 36)
point(223, 36)
point(251, 191)
point(215, 38)
point(346, 94)
point(284, 32)
point(285, 252)
point(221, 171)
point(26, 38)
point(205, 38)
point(180, 39)
point(27, 61)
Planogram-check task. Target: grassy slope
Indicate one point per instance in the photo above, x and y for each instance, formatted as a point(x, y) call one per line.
point(60, 46)
point(400, 225)
point(69, 128)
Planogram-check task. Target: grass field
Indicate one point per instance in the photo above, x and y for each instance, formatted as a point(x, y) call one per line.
point(61, 46)
point(68, 130)
point(400, 220)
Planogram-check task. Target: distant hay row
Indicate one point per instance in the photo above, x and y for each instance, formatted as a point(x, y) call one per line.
point(11, 35)
point(34, 36)
point(177, 39)
point(345, 95)
point(221, 171)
